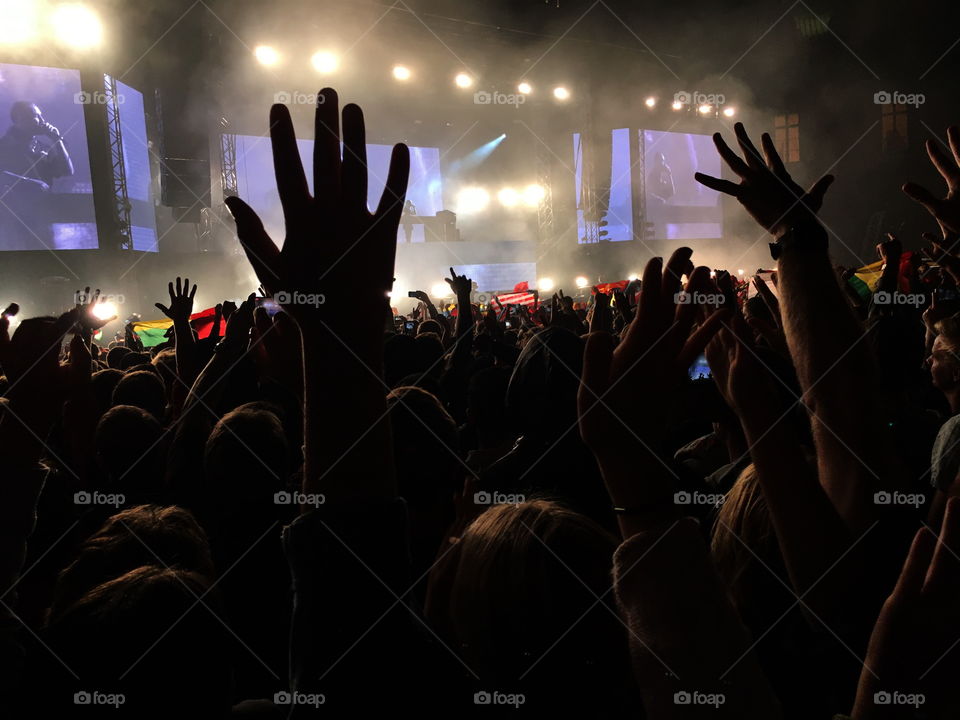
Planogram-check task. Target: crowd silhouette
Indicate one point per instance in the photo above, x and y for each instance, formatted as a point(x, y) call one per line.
point(531, 511)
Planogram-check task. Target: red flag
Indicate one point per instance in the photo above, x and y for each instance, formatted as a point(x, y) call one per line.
point(521, 287)
point(517, 298)
point(608, 288)
point(202, 322)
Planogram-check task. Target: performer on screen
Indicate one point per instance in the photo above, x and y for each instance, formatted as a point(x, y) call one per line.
point(406, 219)
point(660, 179)
point(32, 156)
point(23, 157)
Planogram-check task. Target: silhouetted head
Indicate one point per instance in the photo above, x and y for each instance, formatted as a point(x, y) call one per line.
point(140, 535)
point(543, 388)
point(143, 389)
point(246, 461)
point(519, 593)
point(115, 356)
point(129, 450)
point(145, 635)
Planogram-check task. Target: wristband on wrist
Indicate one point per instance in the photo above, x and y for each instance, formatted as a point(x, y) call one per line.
point(808, 234)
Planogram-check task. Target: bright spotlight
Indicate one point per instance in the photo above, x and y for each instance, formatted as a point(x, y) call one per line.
point(266, 55)
point(401, 72)
point(533, 195)
point(632, 276)
point(740, 271)
point(561, 93)
point(545, 284)
point(525, 88)
point(472, 199)
point(440, 290)
point(581, 281)
point(463, 80)
point(676, 105)
point(650, 102)
point(704, 109)
point(324, 62)
point(77, 26)
point(19, 24)
point(729, 112)
point(105, 310)
point(508, 197)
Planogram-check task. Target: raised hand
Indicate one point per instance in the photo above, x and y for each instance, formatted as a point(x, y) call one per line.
point(602, 318)
point(461, 285)
point(181, 301)
point(332, 276)
point(625, 391)
point(84, 312)
point(947, 209)
point(334, 247)
point(766, 189)
point(912, 648)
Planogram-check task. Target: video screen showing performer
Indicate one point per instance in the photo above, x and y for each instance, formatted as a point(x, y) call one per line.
point(46, 196)
point(679, 207)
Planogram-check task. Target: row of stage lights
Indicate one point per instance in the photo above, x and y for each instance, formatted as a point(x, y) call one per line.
point(327, 63)
point(72, 25)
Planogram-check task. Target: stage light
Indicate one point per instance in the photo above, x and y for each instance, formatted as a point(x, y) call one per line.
point(463, 80)
point(545, 284)
point(440, 290)
point(740, 272)
point(676, 105)
point(632, 276)
point(581, 282)
point(561, 93)
point(77, 26)
point(650, 102)
point(533, 195)
point(525, 88)
point(472, 199)
point(105, 310)
point(508, 197)
point(713, 273)
point(324, 62)
point(729, 112)
point(401, 72)
point(704, 109)
point(19, 22)
point(266, 55)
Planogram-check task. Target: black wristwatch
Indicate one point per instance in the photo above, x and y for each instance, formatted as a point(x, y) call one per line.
point(810, 234)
